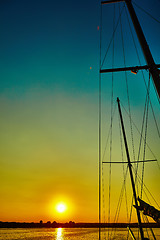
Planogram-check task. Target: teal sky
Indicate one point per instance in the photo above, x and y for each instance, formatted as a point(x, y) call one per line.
point(53, 44)
point(49, 61)
point(49, 44)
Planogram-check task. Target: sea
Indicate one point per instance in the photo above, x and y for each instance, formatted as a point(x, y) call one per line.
point(67, 234)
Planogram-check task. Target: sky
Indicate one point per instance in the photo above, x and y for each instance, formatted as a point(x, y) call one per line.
point(49, 61)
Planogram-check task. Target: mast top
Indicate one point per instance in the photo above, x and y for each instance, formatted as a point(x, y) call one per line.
point(154, 71)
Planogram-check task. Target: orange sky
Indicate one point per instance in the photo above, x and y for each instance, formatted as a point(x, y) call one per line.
point(49, 154)
point(49, 109)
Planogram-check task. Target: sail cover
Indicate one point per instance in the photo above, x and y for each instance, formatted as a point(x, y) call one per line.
point(149, 210)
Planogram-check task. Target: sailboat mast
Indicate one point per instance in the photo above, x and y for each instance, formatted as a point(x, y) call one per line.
point(151, 65)
point(145, 48)
point(130, 171)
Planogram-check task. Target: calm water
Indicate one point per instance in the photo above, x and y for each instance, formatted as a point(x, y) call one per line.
point(62, 234)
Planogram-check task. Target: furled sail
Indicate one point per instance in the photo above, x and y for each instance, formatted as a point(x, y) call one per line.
point(149, 210)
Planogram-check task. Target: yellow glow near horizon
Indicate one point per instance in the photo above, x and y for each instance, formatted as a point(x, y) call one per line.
point(61, 208)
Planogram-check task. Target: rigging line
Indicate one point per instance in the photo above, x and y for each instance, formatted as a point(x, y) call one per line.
point(150, 228)
point(140, 143)
point(154, 113)
point(147, 107)
point(140, 180)
point(141, 137)
point(146, 12)
point(158, 98)
point(143, 122)
point(110, 169)
point(100, 39)
point(143, 73)
point(147, 190)
point(119, 203)
point(134, 42)
point(103, 194)
point(123, 168)
point(106, 146)
point(145, 193)
point(130, 216)
point(104, 213)
point(99, 127)
point(127, 90)
point(136, 53)
point(139, 132)
point(132, 138)
point(146, 229)
point(112, 37)
point(108, 135)
point(120, 199)
point(131, 209)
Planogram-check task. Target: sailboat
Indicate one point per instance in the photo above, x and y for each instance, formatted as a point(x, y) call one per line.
point(130, 168)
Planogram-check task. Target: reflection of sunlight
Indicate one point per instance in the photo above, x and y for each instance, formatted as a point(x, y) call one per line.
point(59, 234)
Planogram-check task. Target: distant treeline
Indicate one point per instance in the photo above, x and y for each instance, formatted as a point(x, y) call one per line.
point(73, 225)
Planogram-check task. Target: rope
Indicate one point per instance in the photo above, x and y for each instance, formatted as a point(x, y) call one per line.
point(104, 213)
point(103, 157)
point(147, 105)
point(143, 122)
point(145, 118)
point(123, 169)
point(146, 12)
point(120, 199)
point(144, 220)
point(99, 129)
point(130, 118)
point(127, 91)
point(130, 216)
point(112, 37)
point(158, 131)
point(110, 169)
point(140, 180)
point(154, 237)
point(140, 143)
point(139, 132)
point(107, 139)
point(128, 104)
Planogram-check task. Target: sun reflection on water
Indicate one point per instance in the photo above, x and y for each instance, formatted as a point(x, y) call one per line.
point(59, 234)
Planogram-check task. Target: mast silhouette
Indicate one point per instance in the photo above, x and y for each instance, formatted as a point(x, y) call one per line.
point(152, 66)
point(130, 171)
point(155, 73)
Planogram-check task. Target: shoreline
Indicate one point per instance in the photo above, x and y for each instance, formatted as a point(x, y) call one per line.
point(74, 225)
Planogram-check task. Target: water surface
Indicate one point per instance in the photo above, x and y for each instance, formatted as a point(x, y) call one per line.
point(64, 234)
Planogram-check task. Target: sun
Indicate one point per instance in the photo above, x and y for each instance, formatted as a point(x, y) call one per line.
point(61, 207)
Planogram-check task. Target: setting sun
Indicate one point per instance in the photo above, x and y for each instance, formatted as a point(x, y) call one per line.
point(61, 207)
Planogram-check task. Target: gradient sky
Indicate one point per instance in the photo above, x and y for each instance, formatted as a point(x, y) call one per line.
point(49, 60)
